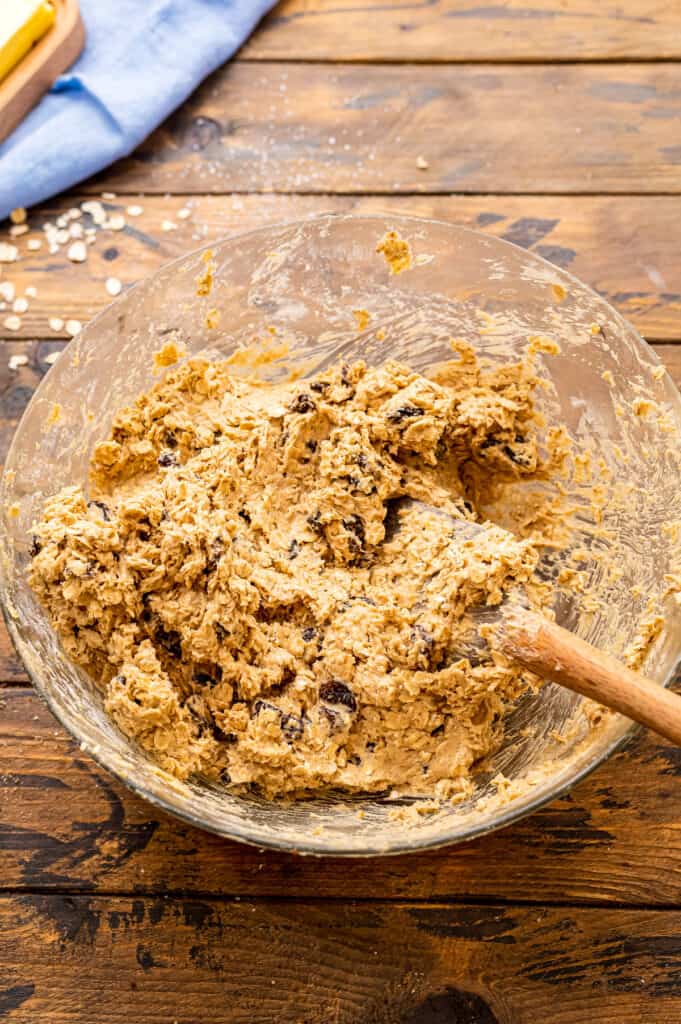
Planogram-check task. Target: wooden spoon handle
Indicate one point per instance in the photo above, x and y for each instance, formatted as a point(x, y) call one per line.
point(556, 654)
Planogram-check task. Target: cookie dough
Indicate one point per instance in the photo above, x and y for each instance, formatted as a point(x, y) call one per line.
point(232, 581)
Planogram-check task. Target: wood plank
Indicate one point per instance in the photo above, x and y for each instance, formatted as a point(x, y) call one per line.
point(622, 246)
point(65, 824)
point(459, 30)
point(16, 387)
point(183, 961)
point(309, 128)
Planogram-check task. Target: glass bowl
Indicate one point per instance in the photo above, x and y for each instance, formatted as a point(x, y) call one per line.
point(304, 280)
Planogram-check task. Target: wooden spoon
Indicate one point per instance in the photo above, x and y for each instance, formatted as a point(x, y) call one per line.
point(554, 653)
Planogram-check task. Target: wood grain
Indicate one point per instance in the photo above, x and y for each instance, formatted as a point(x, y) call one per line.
point(459, 30)
point(622, 246)
point(156, 961)
point(65, 824)
point(350, 128)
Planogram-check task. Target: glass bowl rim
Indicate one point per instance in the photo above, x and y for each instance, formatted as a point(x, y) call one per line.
point(316, 845)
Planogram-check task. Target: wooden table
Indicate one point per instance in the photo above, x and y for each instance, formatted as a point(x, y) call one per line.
point(555, 124)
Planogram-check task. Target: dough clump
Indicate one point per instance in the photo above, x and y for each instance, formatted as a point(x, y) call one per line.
point(232, 581)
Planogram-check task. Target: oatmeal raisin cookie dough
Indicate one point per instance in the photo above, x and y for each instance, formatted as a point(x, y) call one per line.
point(228, 583)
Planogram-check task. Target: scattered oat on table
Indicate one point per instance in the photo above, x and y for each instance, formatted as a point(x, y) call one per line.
point(95, 209)
point(8, 252)
point(77, 252)
point(113, 286)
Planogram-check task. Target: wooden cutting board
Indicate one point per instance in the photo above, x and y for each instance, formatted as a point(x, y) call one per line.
point(34, 75)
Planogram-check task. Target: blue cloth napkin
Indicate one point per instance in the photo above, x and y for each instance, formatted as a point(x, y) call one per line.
point(142, 58)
